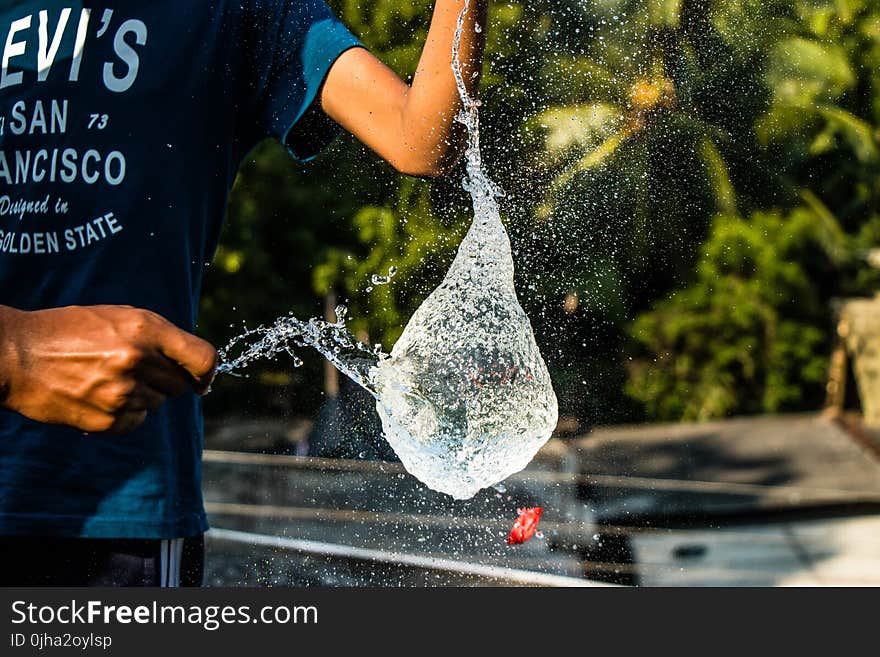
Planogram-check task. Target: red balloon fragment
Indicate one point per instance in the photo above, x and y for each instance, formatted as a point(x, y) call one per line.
point(525, 525)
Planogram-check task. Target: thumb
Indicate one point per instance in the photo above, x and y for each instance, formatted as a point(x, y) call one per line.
point(196, 356)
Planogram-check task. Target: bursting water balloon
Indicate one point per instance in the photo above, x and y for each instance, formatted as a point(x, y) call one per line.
point(465, 398)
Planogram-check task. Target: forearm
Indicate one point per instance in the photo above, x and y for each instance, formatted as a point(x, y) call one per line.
point(411, 126)
point(433, 100)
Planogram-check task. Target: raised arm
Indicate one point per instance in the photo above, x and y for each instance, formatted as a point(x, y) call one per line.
point(411, 126)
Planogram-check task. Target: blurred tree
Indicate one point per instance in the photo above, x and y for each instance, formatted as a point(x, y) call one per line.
point(634, 138)
point(646, 131)
point(751, 333)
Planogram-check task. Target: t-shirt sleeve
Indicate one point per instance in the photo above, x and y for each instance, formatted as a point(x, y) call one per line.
point(294, 44)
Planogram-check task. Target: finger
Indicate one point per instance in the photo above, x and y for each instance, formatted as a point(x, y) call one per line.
point(164, 376)
point(145, 398)
point(193, 354)
point(127, 421)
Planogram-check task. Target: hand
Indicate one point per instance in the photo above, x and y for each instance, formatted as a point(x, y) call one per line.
point(97, 368)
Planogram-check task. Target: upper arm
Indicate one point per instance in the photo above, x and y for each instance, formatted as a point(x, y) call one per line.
point(369, 100)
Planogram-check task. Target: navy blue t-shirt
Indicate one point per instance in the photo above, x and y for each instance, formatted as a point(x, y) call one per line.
point(122, 125)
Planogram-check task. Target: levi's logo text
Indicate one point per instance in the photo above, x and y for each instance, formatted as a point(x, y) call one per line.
point(62, 136)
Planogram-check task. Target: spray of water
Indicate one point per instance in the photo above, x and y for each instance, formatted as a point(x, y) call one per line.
point(331, 339)
point(464, 396)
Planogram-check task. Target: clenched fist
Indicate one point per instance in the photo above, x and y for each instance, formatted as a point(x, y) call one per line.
point(97, 368)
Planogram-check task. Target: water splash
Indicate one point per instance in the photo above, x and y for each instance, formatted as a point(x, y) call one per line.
point(331, 339)
point(465, 398)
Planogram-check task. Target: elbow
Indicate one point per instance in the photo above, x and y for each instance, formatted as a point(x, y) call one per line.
point(422, 168)
point(437, 161)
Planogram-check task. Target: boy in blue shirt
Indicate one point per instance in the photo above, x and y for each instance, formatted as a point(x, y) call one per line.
point(121, 129)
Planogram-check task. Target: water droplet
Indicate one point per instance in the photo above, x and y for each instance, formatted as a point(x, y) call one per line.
point(375, 279)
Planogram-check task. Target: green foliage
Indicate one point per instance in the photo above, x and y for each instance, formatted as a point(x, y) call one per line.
point(751, 332)
point(748, 335)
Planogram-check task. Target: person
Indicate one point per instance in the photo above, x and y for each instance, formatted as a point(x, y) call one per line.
point(121, 128)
